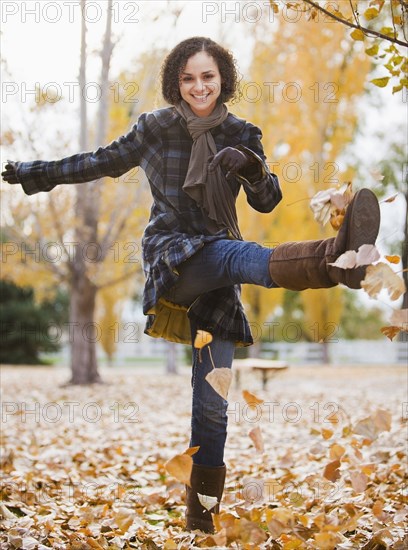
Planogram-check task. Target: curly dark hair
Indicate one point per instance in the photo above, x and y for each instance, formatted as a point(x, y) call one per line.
point(176, 61)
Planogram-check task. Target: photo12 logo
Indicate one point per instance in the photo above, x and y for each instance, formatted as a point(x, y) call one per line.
point(68, 12)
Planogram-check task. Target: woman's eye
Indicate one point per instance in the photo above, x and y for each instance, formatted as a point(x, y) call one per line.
point(186, 78)
point(209, 76)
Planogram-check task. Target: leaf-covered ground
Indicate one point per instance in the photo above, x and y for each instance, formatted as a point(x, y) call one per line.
point(83, 467)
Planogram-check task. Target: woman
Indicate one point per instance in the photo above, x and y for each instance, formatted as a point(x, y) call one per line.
point(197, 156)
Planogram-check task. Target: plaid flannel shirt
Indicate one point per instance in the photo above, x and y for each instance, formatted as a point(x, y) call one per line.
point(160, 144)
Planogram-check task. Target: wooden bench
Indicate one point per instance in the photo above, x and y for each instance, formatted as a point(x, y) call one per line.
point(267, 368)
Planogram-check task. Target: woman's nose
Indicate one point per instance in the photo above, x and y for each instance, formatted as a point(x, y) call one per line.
point(199, 85)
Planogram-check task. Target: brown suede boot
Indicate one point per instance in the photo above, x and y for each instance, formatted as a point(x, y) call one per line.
point(205, 480)
point(302, 265)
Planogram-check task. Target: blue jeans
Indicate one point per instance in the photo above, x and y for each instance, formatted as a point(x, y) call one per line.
point(218, 264)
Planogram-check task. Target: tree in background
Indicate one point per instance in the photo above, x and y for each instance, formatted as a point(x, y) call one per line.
point(306, 102)
point(380, 24)
point(27, 328)
point(84, 237)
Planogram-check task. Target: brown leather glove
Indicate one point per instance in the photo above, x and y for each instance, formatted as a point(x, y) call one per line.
point(230, 159)
point(9, 175)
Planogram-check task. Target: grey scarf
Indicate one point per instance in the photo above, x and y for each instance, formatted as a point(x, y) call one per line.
point(209, 189)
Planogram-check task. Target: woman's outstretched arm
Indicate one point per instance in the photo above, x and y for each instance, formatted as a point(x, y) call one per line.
point(113, 160)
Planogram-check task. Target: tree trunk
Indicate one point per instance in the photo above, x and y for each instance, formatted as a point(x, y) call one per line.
point(171, 361)
point(84, 330)
point(84, 333)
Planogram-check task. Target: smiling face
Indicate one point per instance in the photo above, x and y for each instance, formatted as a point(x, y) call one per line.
point(200, 83)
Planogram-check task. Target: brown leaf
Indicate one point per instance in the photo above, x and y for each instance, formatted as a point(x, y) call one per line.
point(332, 470)
point(358, 481)
point(203, 338)
point(374, 424)
point(390, 332)
point(251, 399)
point(391, 199)
point(220, 379)
point(256, 435)
point(381, 276)
point(124, 518)
point(180, 467)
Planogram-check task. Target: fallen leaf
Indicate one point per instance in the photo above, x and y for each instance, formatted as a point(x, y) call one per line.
point(256, 435)
point(381, 276)
point(180, 467)
point(332, 470)
point(358, 481)
point(371, 426)
point(124, 518)
point(325, 541)
point(251, 399)
point(336, 451)
point(207, 502)
point(326, 433)
point(203, 338)
point(220, 379)
point(393, 259)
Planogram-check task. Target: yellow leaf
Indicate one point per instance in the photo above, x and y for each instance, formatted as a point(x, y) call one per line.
point(202, 339)
point(251, 399)
point(371, 13)
point(192, 450)
point(393, 259)
point(220, 380)
point(372, 50)
point(336, 220)
point(381, 276)
point(396, 89)
point(180, 467)
point(325, 541)
point(326, 433)
point(336, 451)
point(380, 82)
point(357, 34)
point(332, 470)
point(170, 544)
point(256, 435)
